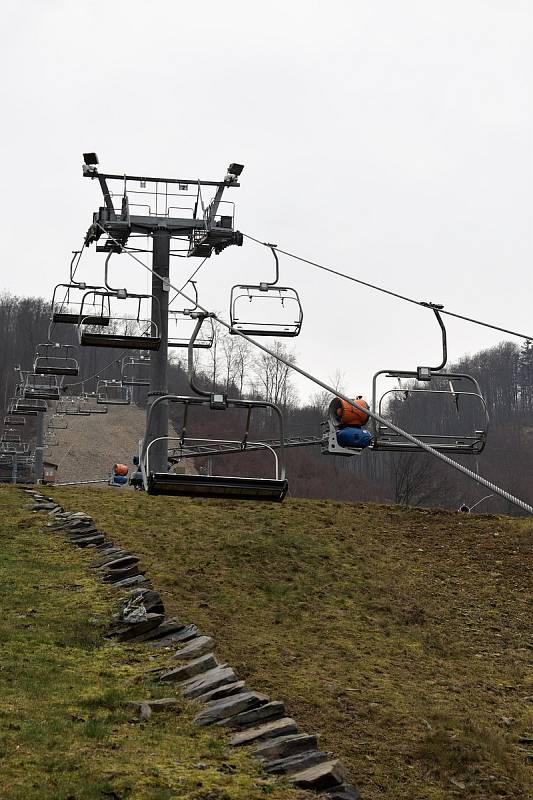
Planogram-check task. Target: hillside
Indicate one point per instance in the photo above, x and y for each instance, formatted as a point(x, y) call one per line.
point(401, 636)
point(90, 445)
point(66, 730)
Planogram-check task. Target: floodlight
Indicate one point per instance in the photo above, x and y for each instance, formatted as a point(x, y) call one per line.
point(91, 159)
point(235, 169)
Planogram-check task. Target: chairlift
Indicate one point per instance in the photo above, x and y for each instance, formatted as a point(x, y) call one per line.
point(90, 404)
point(11, 419)
point(436, 384)
point(129, 333)
point(12, 448)
point(29, 406)
point(52, 358)
point(112, 393)
point(180, 327)
point(10, 435)
point(68, 309)
point(61, 406)
point(135, 371)
point(57, 422)
point(182, 322)
point(73, 408)
point(266, 309)
point(41, 387)
point(228, 486)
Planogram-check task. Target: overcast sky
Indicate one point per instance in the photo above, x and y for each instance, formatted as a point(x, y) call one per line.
point(391, 140)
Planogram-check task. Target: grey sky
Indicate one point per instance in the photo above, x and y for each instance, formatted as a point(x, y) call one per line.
point(391, 140)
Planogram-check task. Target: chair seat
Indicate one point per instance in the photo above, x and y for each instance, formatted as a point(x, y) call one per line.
point(218, 486)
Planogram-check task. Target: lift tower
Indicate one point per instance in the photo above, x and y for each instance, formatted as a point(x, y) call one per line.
point(163, 209)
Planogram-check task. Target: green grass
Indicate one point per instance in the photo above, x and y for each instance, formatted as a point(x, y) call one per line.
point(400, 636)
point(65, 730)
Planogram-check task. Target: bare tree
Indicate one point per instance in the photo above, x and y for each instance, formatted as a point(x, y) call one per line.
point(272, 376)
point(410, 477)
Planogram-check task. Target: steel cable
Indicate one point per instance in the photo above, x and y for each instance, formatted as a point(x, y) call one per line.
point(389, 291)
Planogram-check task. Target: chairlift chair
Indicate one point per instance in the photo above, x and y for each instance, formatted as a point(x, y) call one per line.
point(180, 327)
point(127, 333)
point(50, 439)
point(10, 435)
point(11, 419)
point(182, 322)
point(73, 408)
point(15, 448)
point(68, 309)
point(112, 393)
point(266, 309)
point(434, 379)
point(228, 486)
point(29, 406)
point(52, 358)
point(135, 371)
point(41, 387)
point(61, 406)
point(90, 404)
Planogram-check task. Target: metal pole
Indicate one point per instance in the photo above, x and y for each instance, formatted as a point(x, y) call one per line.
point(14, 469)
point(159, 358)
point(39, 448)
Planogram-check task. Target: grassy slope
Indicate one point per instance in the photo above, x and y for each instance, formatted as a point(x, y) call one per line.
point(65, 733)
point(399, 635)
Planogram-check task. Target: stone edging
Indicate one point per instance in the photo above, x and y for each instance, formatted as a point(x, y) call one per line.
point(252, 717)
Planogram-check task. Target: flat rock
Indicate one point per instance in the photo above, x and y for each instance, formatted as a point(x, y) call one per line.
point(135, 580)
point(213, 679)
point(120, 574)
point(280, 727)
point(226, 690)
point(229, 706)
point(197, 647)
point(82, 534)
point(342, 792)
point(128, 632)
point(80, 530)
point(286, 746)
point(79, 524)
point(182, 635)
point(114, 562)
point(191, 670)
point(162, 704)
point(167, 626)
point(87, 541)
point(326, 775)
point(110, 554)
point(256, 716)
point(297, 763)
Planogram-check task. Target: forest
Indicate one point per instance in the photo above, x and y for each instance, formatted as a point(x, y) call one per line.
point(504, 373)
